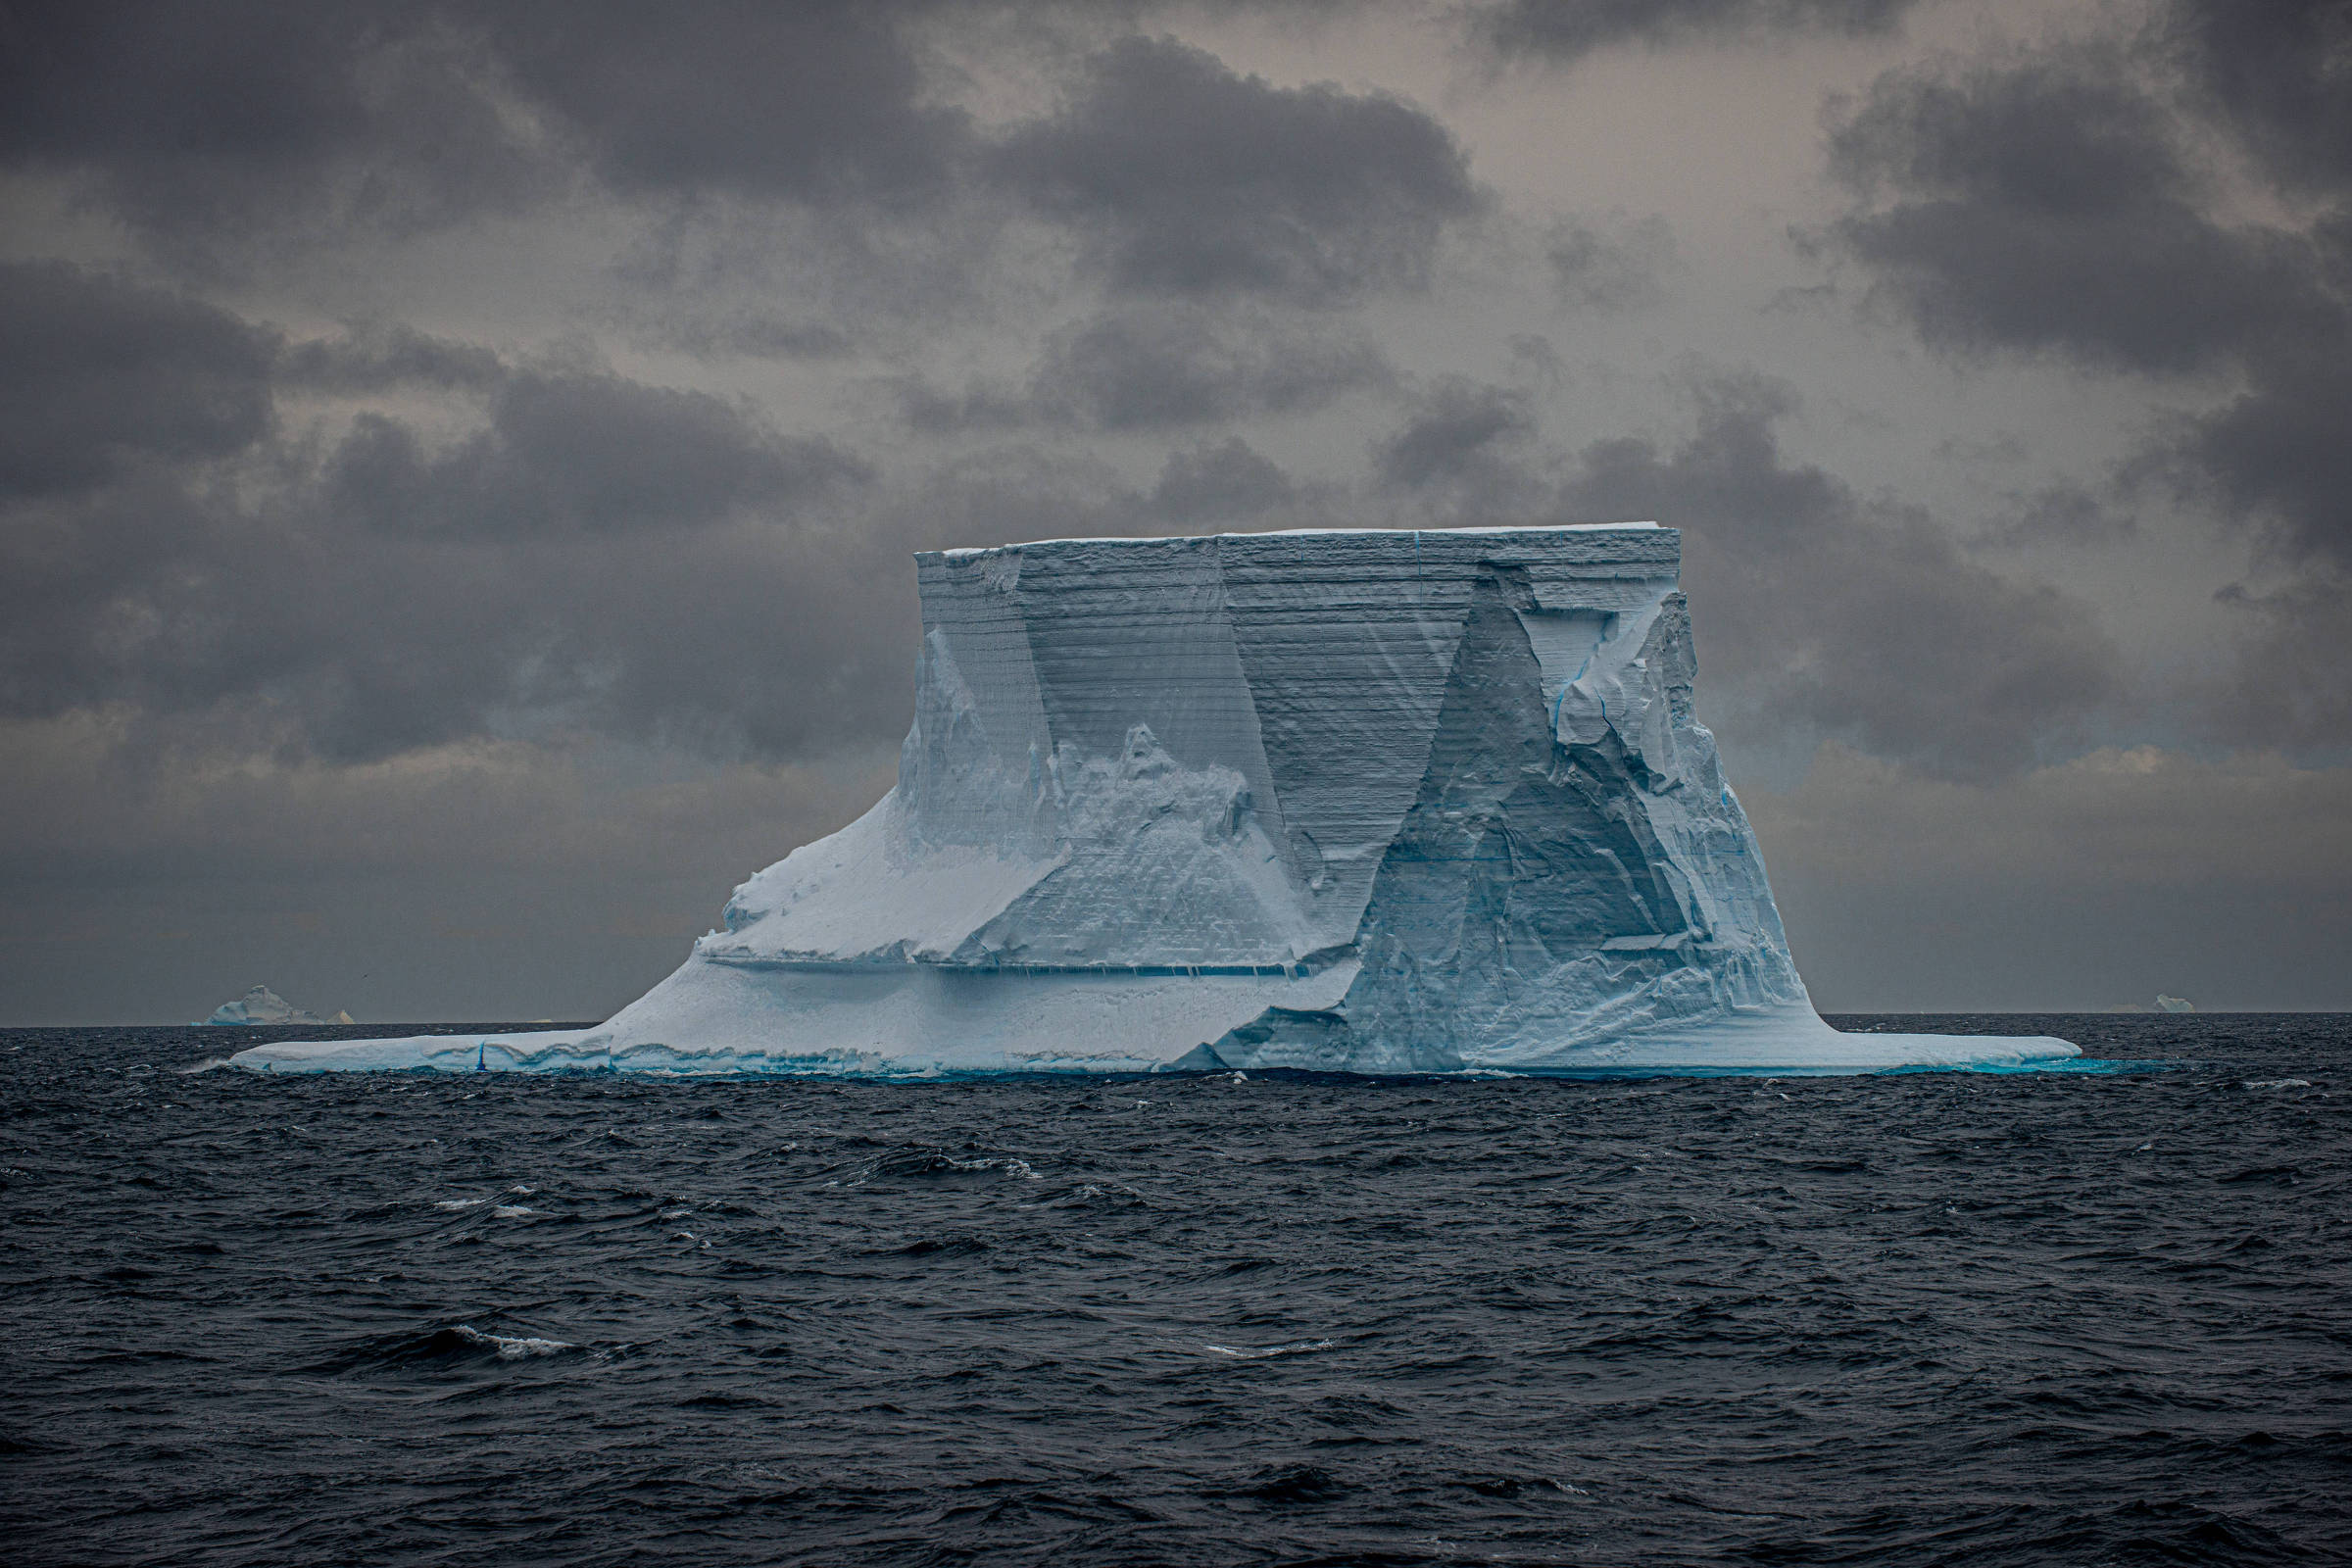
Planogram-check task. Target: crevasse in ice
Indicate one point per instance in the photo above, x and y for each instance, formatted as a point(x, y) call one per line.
point(1367, 800)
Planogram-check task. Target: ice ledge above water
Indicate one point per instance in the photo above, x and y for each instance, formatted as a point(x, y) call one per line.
point(583, 1051)
point(922, 1022)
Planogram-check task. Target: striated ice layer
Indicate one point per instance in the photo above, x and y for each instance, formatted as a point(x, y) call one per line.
point(1351, 801)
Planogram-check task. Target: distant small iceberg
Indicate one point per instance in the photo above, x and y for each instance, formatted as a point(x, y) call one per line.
point(260, 1005)
point(2164, 1003)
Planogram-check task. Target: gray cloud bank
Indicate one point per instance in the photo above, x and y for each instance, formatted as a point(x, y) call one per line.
point(2069, 202)
point(781, 293)
point(590, 552)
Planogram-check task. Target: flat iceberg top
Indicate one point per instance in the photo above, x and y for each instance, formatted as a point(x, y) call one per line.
point(1534, 531)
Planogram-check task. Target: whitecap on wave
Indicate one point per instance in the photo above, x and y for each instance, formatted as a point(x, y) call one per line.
point(1259, 1353)
point(925, 1162)
point(513, 1348)
point(452, 1346)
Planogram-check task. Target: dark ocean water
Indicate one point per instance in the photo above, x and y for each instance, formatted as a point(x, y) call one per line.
point(2071, 1318)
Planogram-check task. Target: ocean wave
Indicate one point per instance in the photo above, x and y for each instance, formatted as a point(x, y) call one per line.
point(449, 1346)
point(1262, 1352)
point(1928, 1319)
point(928, 1163)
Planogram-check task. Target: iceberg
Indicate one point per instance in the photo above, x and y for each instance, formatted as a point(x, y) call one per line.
point(260, 1005)
point(1356, 801)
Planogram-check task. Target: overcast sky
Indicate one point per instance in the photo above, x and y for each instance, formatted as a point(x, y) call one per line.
point(457, 463)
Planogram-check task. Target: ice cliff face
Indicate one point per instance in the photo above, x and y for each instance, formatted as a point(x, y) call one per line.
point(1463, 764)
point(1373, 800)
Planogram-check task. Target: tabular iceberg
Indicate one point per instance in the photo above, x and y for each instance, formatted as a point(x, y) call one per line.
point(1364, 800)
point(260, 1005)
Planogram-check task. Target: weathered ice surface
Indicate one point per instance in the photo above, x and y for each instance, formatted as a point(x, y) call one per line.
point(1359, 800)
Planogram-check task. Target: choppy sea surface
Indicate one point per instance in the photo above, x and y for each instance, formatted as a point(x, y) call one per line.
point(2080, 1317)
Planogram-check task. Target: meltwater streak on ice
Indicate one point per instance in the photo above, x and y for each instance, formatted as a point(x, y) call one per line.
point(2005, 1321)
point(1360, 801)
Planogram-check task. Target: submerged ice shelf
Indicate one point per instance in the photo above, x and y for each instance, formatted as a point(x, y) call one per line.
point(1365, 800)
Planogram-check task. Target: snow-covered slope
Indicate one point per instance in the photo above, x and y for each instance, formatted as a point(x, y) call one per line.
point(1367, 800)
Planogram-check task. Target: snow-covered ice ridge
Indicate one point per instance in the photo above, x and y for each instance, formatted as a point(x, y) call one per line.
point(1367, 800)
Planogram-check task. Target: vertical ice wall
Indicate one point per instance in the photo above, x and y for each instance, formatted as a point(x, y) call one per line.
point(1463, 764)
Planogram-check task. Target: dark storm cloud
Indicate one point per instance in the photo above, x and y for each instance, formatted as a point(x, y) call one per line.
point(226, 134)
point(1156, 366)
point(1188, 178)
point(1845, 618)
point(380, 356)
point(288, 628)
point(1455, 430)
point(2277, 71)
point(1216, 484)
point(751, 334)
point(2285, 637)
point(982, 404)
point(571, 560)
point(1145, 367)
point(75, 620)
point(198, 124)
point(2070, 203)
point(586, 452)
point(2273, 459)
point(208, 127)
point(2067, 513)
point(645, 562)
point(1563, 30)
point(1610, 268)
point(814, 101)
point(103, 373)
point(2045, 205)
point(2281, 449)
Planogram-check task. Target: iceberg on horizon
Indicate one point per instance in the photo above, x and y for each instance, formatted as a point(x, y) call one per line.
point(260, 1005)
point(1357, 800)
